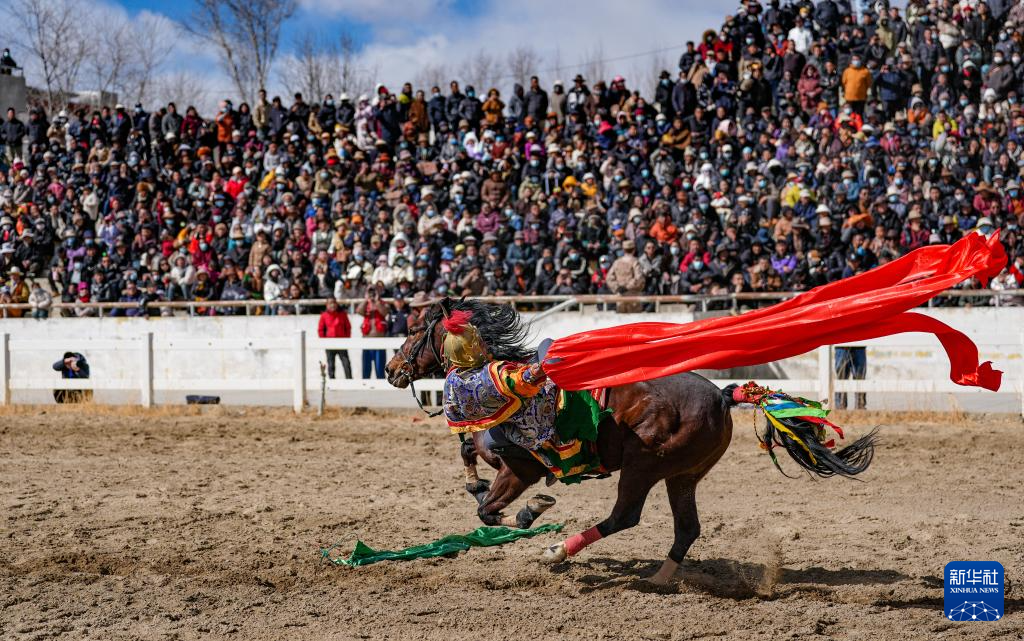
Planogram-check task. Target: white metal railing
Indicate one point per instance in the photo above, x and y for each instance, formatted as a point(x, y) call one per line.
point(701, 302)
point(297, 379)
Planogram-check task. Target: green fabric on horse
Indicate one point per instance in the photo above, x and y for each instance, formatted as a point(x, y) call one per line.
point(579, 417)
point(452, 544)
point(573, 458)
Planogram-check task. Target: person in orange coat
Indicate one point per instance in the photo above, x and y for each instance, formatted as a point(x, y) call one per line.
point(418, 113)
point(493, 107)
point(663, 230)
point(225, 123)
point(856, 82)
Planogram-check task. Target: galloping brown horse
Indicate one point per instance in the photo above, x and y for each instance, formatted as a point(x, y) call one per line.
point(671, 429)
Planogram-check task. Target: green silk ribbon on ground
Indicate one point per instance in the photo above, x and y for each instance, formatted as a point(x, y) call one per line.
point(483, 536)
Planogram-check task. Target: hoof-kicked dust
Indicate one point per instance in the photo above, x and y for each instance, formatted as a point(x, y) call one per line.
point(208, 523)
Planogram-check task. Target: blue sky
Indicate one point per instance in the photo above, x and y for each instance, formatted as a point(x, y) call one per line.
point(404, 40)
point(323, 15)
point(305, 18)
point(400, 23)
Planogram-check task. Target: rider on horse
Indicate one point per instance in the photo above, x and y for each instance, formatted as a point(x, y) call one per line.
point(517, 404)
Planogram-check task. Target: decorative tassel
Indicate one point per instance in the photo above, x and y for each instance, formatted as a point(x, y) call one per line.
point(455, 323)
point(800, 426)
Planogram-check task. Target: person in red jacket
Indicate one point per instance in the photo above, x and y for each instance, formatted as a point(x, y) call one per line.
point(334, 323)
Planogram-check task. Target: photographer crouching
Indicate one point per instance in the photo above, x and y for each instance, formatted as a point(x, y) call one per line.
point(73, 365)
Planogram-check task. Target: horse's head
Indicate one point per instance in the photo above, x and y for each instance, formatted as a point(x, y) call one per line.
point(420, 354)
point(501, 330)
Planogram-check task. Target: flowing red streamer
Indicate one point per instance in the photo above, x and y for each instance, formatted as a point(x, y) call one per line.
point(868, 305)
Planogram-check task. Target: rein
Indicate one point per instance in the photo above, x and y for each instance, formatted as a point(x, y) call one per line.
point(416, 397)
point(428, 335)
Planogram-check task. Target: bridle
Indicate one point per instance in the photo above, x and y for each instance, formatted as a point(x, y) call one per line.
point(409, 369)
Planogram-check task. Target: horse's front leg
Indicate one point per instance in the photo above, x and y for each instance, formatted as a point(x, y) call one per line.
point(476, 486)
point(473, 447)
point(509, 485)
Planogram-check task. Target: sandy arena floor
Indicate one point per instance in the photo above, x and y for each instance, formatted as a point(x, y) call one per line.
point(119, 524)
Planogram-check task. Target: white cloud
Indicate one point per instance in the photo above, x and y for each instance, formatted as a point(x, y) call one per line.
point(412, 36)
point(565, 34)
point(377, 12)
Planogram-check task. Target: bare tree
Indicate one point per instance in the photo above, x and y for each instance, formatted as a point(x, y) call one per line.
point(314, 67)
point(182, 88)
point(352, 80)
point(522, 63)
point(481, 70)
point(556, 65)
point(51, 35)
point(591, 64)
point(645, 73)
point(322, 64)
point(247, 34)
point(152, 40)
point(108, 62)
point(127, 54)
point(362, 82)
point(433, 75)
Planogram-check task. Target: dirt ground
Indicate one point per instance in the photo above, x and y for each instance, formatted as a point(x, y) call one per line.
point(179, 524)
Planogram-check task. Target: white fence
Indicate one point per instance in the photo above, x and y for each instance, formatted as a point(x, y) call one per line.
point(298, 378)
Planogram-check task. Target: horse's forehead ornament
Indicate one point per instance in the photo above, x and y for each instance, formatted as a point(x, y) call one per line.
point(463, 346)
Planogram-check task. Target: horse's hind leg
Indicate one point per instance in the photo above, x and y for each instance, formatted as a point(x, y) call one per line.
point(634, 486)
point(682, 496)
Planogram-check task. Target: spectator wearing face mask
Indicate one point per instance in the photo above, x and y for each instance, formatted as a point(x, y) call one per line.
point(856, 82)
point(626, 277)
point(40, 300)
point(877, 116)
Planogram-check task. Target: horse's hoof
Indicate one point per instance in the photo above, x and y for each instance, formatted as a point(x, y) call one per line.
point(657, 586)
point(659, 582)
point(481, 486)
point(665, 576)
point(534, 508)
point(540, 503)
point(554, 554)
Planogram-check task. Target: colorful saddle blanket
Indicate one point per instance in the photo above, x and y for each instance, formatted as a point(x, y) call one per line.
point(557, 427)
point(571, 454)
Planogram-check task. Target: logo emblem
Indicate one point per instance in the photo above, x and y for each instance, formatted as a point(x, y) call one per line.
point(974, 591)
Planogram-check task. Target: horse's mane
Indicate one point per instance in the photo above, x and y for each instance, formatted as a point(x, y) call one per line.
point(500, 326)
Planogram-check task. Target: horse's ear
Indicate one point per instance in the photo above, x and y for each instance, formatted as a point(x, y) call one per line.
point(446, 306)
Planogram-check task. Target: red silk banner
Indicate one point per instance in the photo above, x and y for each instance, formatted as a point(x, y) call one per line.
point(868, 305)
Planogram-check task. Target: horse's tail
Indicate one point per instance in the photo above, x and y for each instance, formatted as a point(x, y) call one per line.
point(799, 426)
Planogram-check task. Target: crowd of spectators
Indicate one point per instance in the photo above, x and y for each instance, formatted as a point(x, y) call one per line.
point(795, 145)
